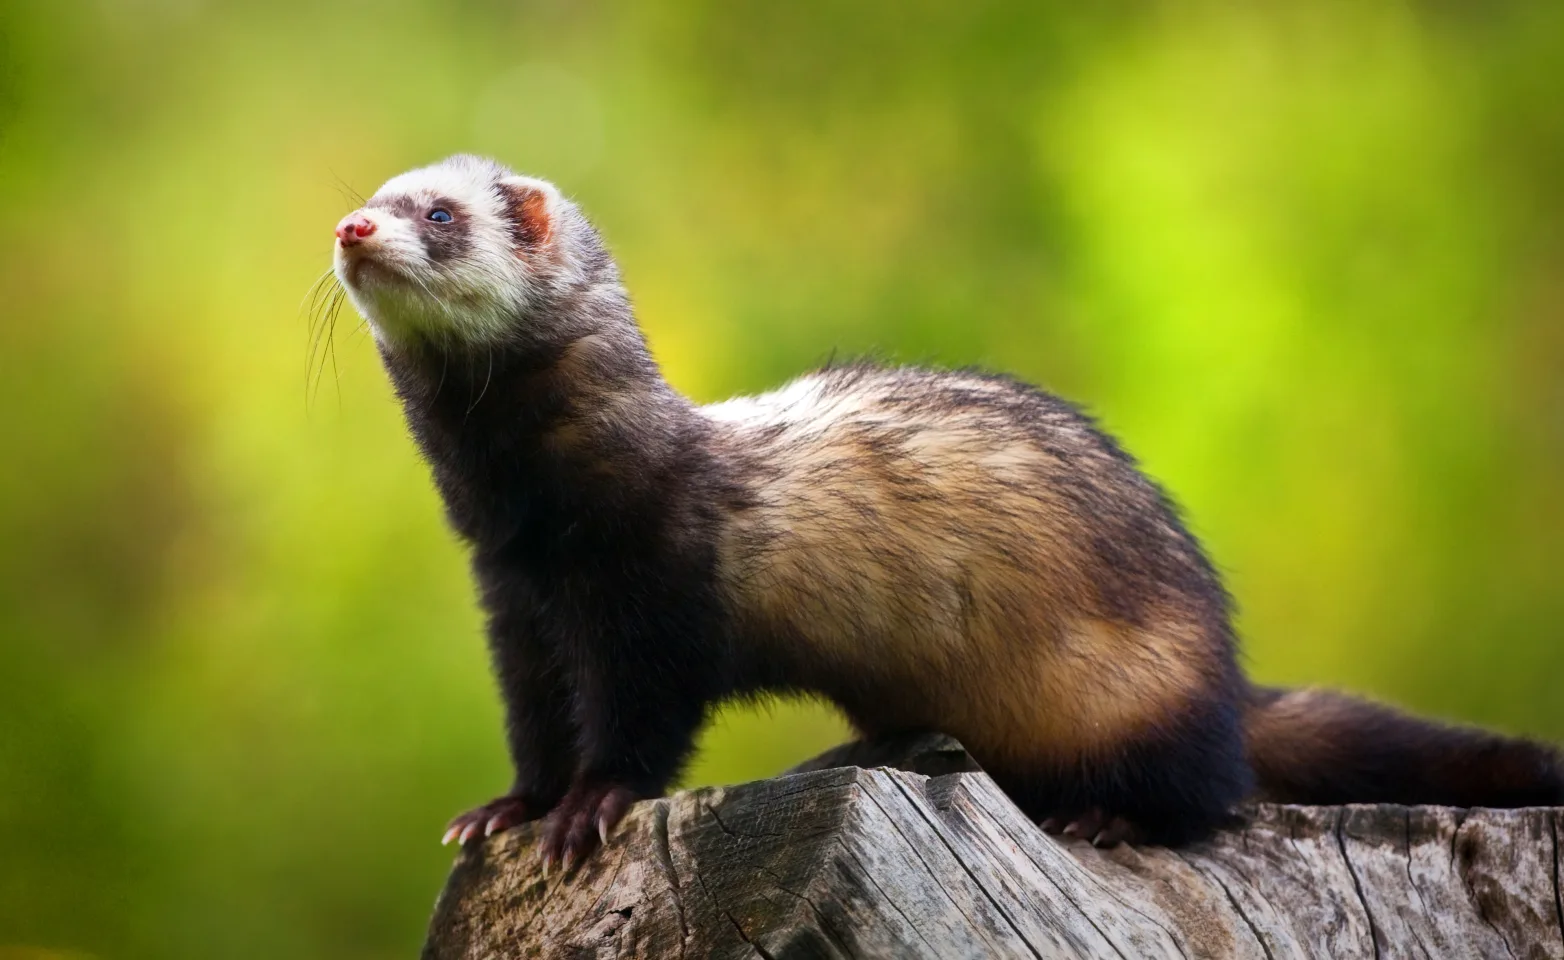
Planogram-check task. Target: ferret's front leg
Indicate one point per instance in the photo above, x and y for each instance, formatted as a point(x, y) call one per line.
point(539, 731)
point(643, 683)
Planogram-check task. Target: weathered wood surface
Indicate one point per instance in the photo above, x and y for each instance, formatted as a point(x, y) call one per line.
point(854, 862)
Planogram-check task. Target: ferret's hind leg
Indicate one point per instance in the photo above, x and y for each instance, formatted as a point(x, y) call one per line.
point(1095, 825)
point(1172, 786)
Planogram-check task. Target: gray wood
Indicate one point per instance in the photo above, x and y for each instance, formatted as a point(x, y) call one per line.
point(932, 860)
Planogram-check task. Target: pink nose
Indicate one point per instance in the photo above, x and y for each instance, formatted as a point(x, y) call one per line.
point(354, 228)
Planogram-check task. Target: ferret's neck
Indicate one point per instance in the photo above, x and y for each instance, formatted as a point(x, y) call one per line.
point(533, 439)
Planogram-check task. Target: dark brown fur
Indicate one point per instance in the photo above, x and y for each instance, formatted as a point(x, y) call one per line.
point(1319, 746)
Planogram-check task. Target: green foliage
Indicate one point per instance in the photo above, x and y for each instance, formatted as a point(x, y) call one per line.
point(1305, 260)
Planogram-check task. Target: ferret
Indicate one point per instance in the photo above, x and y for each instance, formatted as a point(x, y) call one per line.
point(928, 550)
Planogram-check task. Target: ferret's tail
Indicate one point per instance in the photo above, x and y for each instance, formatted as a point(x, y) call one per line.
point(1317, 746)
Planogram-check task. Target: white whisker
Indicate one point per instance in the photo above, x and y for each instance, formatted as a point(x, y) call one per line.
point(485, 390)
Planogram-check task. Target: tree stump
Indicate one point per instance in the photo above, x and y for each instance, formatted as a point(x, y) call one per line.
point(932, 860)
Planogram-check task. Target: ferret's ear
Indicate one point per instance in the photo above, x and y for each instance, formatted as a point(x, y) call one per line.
point(527, 212)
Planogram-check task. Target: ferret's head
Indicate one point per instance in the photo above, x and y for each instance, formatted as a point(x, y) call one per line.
point(464, 251)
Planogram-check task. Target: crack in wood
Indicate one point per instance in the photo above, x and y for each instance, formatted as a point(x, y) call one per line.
point(1466, 883)
point(893, 901)
point(823, 926)
point(1406, 828)
point(1216, 878)
point(1558, 902)
point(922, 861)
point(712, 811)
point(1063, 892)
point(971, 875)
point(726, 913)
point(1104, 889)
point(1357, 885)
point(663, 855)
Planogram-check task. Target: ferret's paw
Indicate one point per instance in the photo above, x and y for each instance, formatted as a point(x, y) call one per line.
point(1096, 825)
point(581, 821)
point(491, 818)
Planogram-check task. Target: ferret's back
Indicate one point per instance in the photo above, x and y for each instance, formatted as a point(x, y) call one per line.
point(969, 539)
point(955, 466)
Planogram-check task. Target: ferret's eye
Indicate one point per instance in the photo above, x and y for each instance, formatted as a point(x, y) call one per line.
point(440, 215)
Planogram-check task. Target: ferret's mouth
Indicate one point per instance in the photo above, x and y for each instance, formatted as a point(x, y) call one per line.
point(361, 268)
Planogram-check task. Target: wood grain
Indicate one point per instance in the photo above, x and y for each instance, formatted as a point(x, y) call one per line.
point(851, 862)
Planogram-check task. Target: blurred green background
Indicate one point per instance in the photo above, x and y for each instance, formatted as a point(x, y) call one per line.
point(1306, 259)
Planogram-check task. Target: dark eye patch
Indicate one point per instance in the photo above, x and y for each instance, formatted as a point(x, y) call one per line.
point(444, 240)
